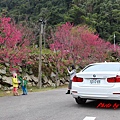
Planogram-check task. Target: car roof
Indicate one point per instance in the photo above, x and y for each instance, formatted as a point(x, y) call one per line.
point(101, 63)
point(105, 63)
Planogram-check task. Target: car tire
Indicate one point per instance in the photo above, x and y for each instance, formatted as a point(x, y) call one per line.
point(80, 100)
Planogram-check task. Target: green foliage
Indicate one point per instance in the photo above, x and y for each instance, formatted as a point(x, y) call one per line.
point(103, 15)
point(75, 15)
point(1, 66)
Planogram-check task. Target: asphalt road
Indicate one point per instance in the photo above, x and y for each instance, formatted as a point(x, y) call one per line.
point(55, 105)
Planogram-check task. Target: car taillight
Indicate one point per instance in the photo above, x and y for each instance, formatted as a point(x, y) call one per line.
point(77, 79)
point(114, 79)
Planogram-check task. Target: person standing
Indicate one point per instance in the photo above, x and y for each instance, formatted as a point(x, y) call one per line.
point(23, 84)
point(72, 74)
point(15, 84)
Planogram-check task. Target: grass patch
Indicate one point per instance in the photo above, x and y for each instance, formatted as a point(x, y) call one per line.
point(5, 93)
point(30, 89)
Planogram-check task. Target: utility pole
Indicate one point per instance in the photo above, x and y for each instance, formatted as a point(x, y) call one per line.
point(44, 32)
point(40, 55)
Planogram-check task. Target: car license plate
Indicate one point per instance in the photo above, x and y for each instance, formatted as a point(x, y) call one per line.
point(95, 81)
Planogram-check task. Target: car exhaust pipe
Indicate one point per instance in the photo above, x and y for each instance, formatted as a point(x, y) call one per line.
point(79, 97)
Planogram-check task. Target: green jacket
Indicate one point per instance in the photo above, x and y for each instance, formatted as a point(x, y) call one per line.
point(22, 81)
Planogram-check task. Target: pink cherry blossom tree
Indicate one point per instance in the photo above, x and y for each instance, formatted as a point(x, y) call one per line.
point(14, 42)
point(79, 45)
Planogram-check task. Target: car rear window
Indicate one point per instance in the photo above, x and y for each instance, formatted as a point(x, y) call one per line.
point(102, 67)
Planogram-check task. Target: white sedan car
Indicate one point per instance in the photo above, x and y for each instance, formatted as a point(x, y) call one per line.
point(97, 81)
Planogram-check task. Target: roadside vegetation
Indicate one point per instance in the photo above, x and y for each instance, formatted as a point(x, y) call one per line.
point(4, 93)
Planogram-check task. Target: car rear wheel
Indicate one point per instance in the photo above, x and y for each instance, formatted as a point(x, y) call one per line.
point(80, 100)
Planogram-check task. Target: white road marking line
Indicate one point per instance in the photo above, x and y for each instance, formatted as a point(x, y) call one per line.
point(89, 118)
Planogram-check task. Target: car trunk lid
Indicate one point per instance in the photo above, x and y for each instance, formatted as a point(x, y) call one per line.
point(97, 79)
